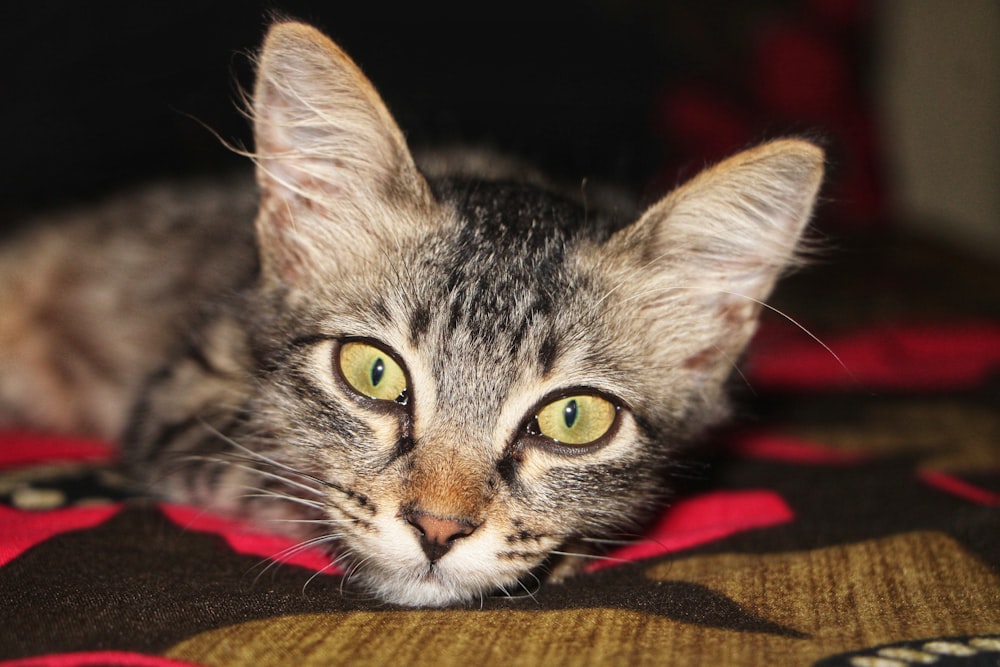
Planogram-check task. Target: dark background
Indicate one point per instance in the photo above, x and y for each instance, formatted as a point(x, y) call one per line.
point(100, 95)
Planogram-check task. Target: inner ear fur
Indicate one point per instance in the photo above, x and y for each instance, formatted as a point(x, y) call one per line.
point(705, 257)
point(331, 161)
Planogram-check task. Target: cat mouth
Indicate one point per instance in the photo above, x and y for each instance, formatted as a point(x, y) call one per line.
point(430, 573)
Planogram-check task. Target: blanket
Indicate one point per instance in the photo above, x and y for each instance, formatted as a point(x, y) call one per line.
point(851, 516)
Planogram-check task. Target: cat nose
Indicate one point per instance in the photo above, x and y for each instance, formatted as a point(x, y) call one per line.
point(437, 534)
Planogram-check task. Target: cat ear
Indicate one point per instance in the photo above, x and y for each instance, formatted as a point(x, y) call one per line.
point(331, 162)
point(710, 252)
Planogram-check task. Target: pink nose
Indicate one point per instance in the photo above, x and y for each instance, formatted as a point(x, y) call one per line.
point(437, 534)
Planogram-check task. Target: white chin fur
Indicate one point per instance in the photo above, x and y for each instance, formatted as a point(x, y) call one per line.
point(428, 587)
point(397, 571)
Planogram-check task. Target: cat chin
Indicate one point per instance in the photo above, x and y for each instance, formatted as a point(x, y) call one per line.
point(398, 572)
point(432, 586)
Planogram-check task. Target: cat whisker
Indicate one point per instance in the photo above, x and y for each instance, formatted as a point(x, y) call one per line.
point(332, 565)
point(320, 522)
point(233, 462)
point(280, 478)
point(797, 324)
point(341, 557)
point(349, 571)
point(276, 558)
point(352, 571)
point(630, 279)
point(600, 557)
point(272, 495)
point(600, 540)
point(305, 545)
point(632, 541)
point(528, 593)
point(759, 302)
point(743, 378)
point(266, 459)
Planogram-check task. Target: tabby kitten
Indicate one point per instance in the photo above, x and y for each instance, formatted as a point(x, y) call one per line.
point(443, 380)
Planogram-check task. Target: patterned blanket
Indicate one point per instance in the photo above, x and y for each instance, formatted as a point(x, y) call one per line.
point(851, 517)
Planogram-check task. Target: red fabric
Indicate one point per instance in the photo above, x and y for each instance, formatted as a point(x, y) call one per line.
point(97, 659)
point(773, 447)
point(916, 357)
point(244, 538)
point(22, 447)
point(702, 519)
point(23, 529)
point(960, 488)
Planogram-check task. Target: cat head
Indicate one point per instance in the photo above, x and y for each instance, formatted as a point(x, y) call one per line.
point(467, 374)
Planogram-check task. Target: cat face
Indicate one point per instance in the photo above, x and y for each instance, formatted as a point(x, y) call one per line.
point(464, 375)
point(471, 416)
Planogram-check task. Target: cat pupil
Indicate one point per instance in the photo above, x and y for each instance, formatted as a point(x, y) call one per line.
point(570, 413)
point(378, 370)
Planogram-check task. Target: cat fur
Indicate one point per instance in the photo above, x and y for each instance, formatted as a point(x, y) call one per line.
point(205, 344)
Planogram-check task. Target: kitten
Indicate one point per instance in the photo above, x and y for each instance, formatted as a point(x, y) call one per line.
point(444, 380)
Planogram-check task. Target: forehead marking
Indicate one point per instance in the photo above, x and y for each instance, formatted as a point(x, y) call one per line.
point(420, 320)
point(547, 354)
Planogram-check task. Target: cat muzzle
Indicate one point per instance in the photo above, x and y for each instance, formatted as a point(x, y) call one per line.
point(437, 535)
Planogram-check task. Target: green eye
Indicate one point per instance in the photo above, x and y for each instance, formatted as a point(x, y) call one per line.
point(371, 371)
point(577, 420)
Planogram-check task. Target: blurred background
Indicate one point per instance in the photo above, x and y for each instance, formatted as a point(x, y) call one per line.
point(903, 94)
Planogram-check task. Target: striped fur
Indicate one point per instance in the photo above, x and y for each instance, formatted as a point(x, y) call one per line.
point(495, 297)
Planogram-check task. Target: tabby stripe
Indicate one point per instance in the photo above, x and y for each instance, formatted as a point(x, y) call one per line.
point(521, 555)
point(167, 436)
point(353, 518)
point(420, 321)
point(507, 469)
point(548, 353)
point(525, 536)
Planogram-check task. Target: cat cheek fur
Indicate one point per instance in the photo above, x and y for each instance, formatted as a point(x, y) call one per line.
point(494, 294)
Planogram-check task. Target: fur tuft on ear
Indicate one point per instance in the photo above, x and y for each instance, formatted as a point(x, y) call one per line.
point(706, 256)
point(740, 221)
point(330, 158)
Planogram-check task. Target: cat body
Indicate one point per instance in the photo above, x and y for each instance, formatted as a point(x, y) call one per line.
point(444, 380)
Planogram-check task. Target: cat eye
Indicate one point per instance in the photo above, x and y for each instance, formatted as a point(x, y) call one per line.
point(576, 420)
point(371, 371)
